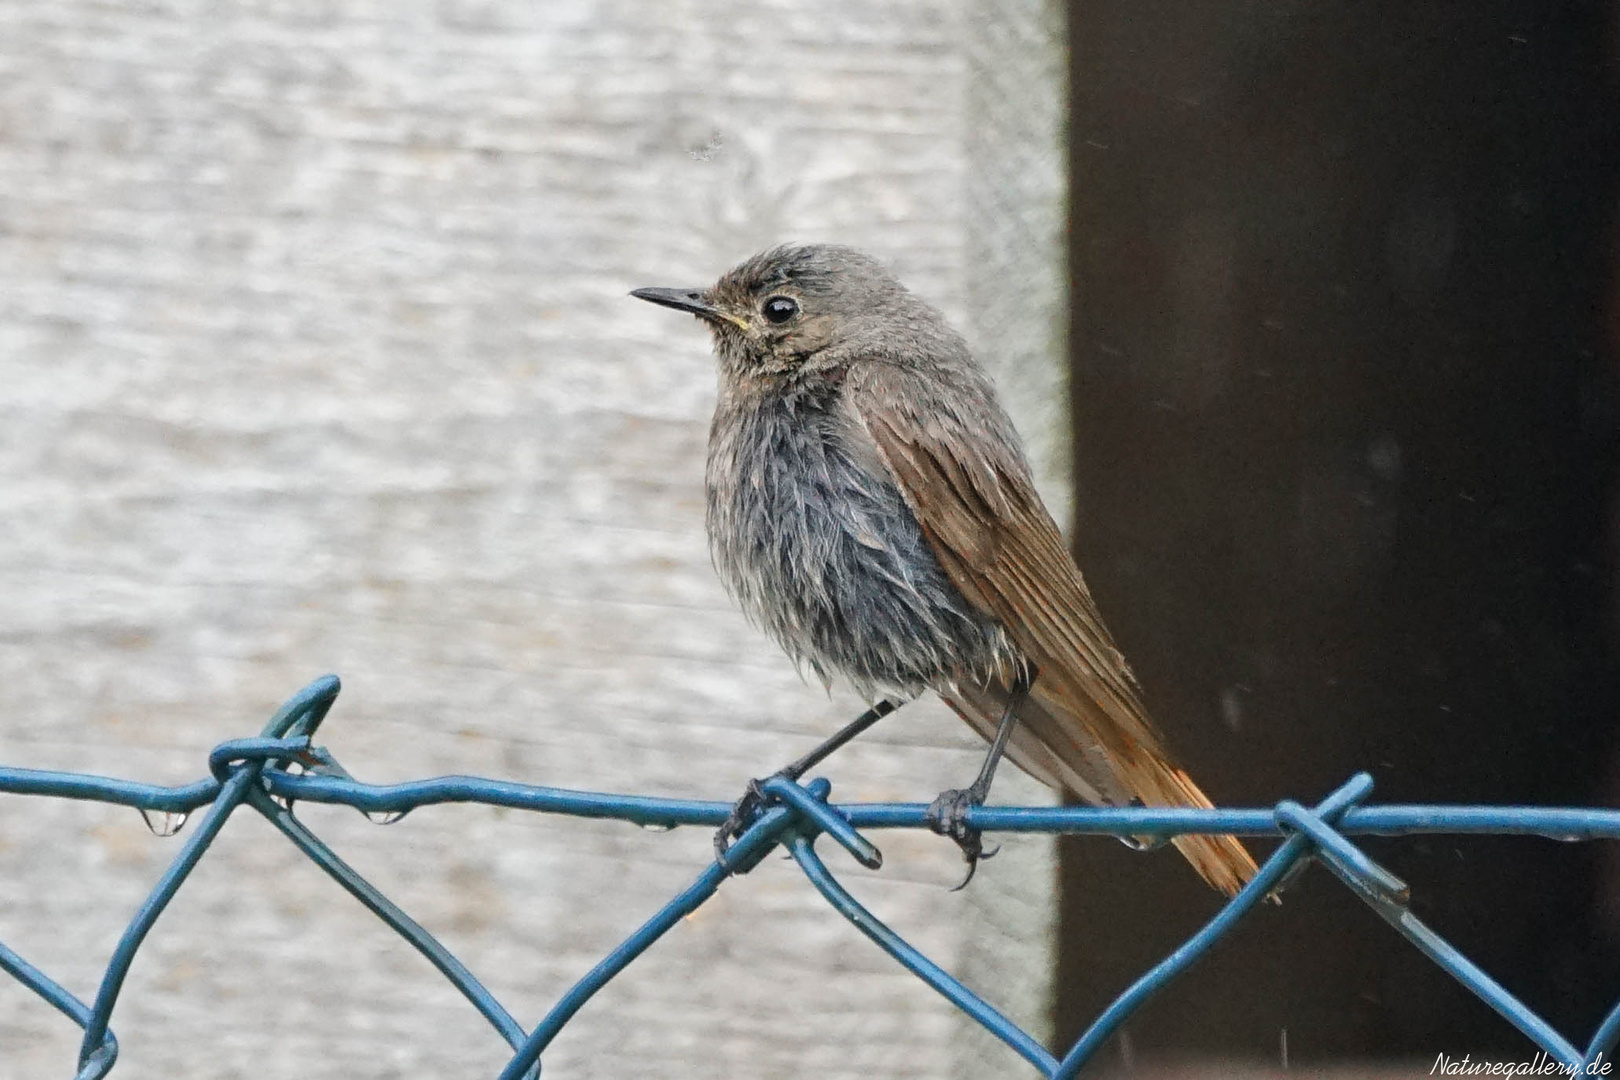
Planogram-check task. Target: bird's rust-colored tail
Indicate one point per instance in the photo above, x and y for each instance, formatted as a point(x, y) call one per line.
point(1222, 861)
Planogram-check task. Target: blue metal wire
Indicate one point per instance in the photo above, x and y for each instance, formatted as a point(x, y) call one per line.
point(389, 912)
point(1271, 874)
point(272, 771)
point(915, 962)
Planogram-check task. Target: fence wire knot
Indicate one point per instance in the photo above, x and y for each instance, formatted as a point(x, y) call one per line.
point(282, 765)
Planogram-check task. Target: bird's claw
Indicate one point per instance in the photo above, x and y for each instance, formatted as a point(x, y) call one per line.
point(947, 816)
point(743, 813)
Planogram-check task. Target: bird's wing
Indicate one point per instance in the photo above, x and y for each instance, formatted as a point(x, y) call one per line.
point(955, 459)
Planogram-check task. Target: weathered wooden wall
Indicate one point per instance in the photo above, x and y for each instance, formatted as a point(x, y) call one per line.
point(315, 355)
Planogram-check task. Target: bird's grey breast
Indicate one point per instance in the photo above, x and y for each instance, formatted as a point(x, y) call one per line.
point(811, 535)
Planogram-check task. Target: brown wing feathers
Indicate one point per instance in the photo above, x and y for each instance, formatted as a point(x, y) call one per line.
point(999, 546)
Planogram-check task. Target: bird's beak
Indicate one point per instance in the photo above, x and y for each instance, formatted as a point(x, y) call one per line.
point(691, 300)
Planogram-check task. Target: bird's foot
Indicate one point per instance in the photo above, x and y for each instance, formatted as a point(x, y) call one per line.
point(947, 816)
point(744, 812)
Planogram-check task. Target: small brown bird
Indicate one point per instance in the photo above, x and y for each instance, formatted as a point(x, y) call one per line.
point(870, 506)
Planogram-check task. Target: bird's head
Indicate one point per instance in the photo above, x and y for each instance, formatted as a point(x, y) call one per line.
point(798, 309)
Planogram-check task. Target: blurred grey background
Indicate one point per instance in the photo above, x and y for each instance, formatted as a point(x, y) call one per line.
point(315, 355)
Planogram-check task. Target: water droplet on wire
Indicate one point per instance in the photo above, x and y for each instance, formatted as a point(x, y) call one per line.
point(657, 826)
point(384, 817)
point(164, 822)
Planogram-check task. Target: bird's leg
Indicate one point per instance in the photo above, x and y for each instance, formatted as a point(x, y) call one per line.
point(746, 808)
point(947, 814)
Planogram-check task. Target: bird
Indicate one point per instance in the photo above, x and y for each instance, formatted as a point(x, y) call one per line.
point(870, 506)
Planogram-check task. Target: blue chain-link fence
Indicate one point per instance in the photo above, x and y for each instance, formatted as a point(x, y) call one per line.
point(282, 765)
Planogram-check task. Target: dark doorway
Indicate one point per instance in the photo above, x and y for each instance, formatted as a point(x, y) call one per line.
point(1345, 415)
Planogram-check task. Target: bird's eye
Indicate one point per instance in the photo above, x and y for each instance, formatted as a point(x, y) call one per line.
point(779, 309)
